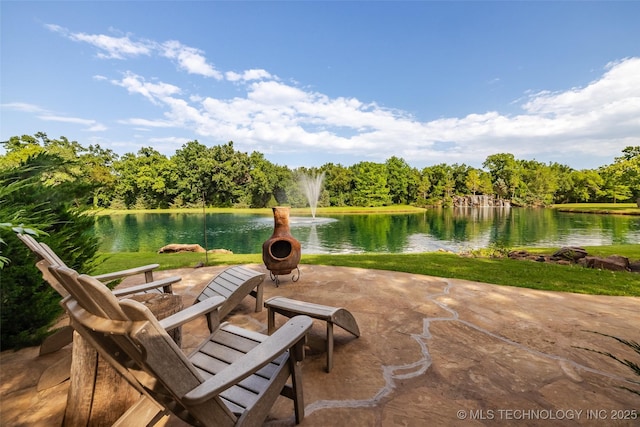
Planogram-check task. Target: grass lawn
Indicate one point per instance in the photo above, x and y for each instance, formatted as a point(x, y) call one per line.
point(600, 208)
point(267, 211)
point(499, 271)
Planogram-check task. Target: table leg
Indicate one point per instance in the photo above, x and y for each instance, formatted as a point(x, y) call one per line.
point(329, 346)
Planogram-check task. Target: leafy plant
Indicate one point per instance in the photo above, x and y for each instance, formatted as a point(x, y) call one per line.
point(42, 191)
point(634, 366)
point(499, 249)
point(20, 229)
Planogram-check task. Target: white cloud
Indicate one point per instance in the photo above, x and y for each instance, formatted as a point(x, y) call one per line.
point(24, 107)
point(599, 119)
point(248, 75)
point(189, 59)
point(154, 92)
point(44, 114)
point(276, 116)
point(108, 46)
point(92, 125)
point(147, 123)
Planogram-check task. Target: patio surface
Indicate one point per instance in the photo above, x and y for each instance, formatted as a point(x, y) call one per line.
point(433, 351)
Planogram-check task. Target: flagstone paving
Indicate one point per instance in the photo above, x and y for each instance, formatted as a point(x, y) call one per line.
point(432, 351)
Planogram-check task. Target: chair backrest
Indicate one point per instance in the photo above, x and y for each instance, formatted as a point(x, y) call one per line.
point(126, 326)
point(45, 257)
point(40, 250)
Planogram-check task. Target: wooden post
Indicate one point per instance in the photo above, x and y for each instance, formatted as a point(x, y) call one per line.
point(98, 395)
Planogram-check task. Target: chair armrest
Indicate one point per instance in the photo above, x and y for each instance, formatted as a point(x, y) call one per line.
point(193, 312)
point(161, 283)
point(107, 277)
point(282, 340)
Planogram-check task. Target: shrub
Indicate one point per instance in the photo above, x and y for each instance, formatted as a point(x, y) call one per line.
point(29, 195)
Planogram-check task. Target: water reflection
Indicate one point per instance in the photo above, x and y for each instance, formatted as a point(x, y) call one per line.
point(447, 229)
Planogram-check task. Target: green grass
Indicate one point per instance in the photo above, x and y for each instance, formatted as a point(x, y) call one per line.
point(600, 208)
point(499, 271)
point(337, 210)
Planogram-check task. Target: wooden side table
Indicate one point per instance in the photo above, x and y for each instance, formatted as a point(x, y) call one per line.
point(290, 308)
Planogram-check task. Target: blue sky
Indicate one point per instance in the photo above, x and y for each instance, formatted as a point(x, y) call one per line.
point(307, 83)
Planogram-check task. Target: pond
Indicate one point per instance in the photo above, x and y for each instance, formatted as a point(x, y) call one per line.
point(448, 229)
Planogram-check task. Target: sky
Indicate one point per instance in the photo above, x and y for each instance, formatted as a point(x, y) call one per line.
point(313, 82)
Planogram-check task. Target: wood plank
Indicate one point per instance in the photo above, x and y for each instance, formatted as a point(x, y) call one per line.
point(94, 383)
point(316, 311)
point(57, 340)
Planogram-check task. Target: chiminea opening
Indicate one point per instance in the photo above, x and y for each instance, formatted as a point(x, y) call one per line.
point(280, 249)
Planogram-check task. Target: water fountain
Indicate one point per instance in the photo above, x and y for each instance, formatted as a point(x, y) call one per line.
point(312, 186)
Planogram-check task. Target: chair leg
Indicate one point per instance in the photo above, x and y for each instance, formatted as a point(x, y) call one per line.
point(296, 385)
point(148, 276)
point(259, 297)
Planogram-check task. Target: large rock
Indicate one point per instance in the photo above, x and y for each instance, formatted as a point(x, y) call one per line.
point(570, 253)
point(479, 200)
point(220, 251)
point(612, 262)
point(181, 247)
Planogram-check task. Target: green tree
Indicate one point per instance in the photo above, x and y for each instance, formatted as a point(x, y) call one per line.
point(625, 171)
point(99, 164)
point(621, 179)
point(473, 181)
point(486, 187)
point(399, 175)
point(459, 174)
point(219, 173)
point(338, 183)
point(503, 167)
point(539, 181)
point(424, 188)
point(193, 166)
point(264, 178)
point(440, 177)
point(584, 186)
point(370, 185)
point(91, 164)
point(229, 175)
point(146, 180)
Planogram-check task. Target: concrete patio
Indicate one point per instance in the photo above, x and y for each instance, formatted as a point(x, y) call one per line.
point(433, 351)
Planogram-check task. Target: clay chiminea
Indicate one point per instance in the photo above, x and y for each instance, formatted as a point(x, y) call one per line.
point(281, 252)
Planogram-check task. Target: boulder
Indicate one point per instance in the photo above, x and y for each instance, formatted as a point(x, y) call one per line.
point(479, 200)
point(220, 251)
point(569, 253)
point(612, 262)
point(181, 247)
point(573, 254)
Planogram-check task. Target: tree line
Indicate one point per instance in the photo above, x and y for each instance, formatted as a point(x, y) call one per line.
point(221, 176)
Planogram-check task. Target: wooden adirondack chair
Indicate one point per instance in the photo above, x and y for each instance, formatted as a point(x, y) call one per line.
point(232, 378)
point(43, 252)
point(233, 284)
point(46, 257)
